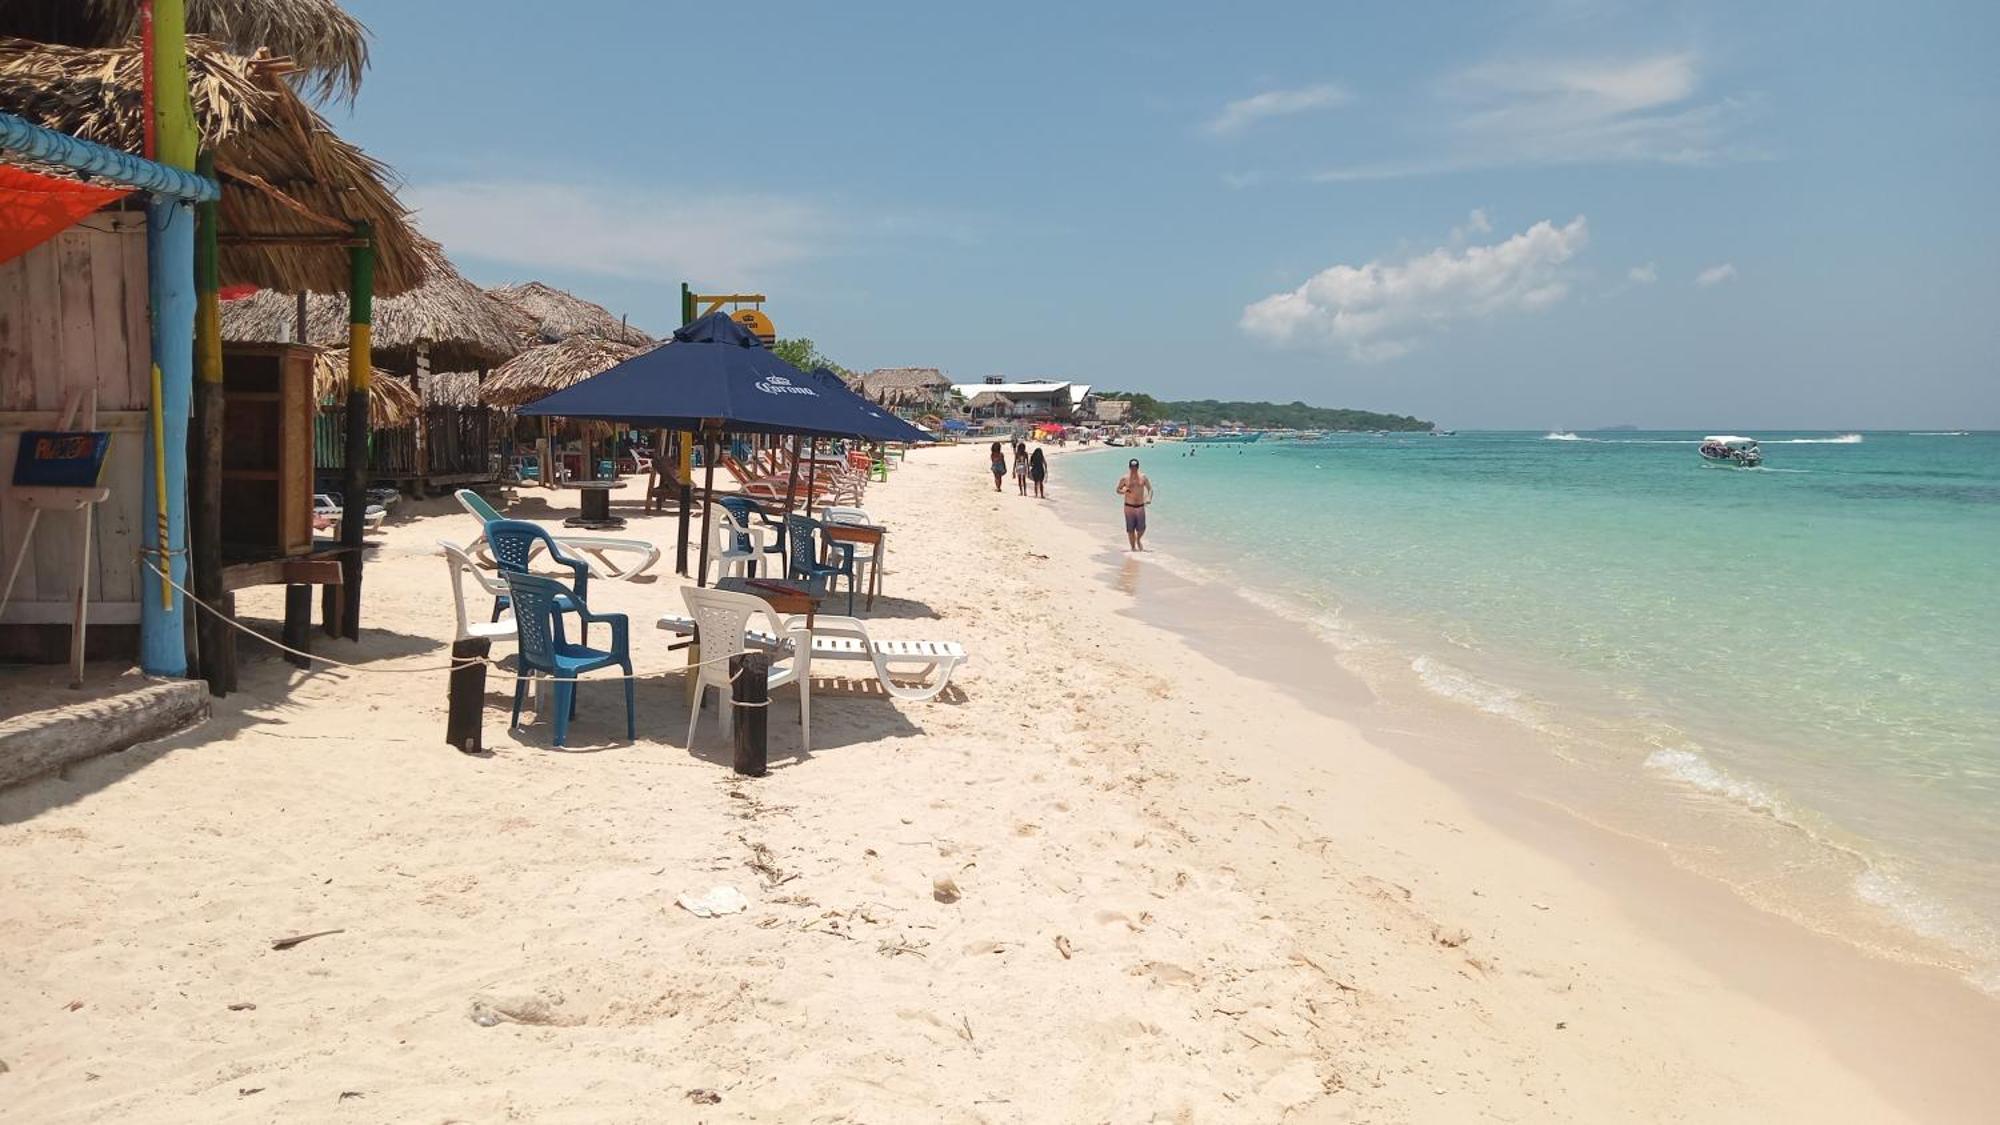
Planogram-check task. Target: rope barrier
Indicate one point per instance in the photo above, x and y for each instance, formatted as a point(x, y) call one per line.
point(455, 665)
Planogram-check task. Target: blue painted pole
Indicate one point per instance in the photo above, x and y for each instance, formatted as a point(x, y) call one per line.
point(170, 273)
point(105, 163)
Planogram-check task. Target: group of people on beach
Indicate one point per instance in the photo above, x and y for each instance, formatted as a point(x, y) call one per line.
point(1031, 467)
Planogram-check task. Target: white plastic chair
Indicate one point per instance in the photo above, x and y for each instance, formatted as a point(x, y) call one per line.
point(723, 619)
point(737, 546)
point(461, 564)
point(849, 514)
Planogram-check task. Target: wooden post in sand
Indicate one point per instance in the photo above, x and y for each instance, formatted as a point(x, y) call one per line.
point(750, 692)
point(467, 699)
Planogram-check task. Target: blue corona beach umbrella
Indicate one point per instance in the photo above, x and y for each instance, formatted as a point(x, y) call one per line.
point(714, 374)
point(712, 371)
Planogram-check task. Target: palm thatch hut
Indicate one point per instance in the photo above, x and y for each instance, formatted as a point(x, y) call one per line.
point(329, 46)
point(554, 316)
point(447, 323)
point(292, 190)
point(913, 388)
point(990, 404)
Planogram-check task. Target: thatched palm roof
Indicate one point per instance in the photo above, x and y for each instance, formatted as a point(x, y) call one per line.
point(391, 402)
point(284, 171)
point(987, 400)
point(330, 46)
point(539, 372)
point(904, 386)
point(452, 388)
point(464, 326)
point(555, 316)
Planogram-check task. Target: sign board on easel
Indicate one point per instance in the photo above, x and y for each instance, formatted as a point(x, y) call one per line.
point(60, 459)
point(58, 470)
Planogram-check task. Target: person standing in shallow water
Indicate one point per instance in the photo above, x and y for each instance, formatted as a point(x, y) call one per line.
point(1138, 493)
point(1038, 473)
point(999, 466)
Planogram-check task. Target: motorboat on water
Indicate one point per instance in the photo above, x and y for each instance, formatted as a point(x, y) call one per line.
point(1226, 437)
point(1727, 449)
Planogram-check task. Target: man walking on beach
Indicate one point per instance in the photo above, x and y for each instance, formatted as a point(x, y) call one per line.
point(1138, 492)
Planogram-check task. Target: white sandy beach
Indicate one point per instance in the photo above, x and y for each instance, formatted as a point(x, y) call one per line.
point(1186, 894)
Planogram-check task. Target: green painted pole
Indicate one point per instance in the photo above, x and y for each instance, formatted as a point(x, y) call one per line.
point(354, 478)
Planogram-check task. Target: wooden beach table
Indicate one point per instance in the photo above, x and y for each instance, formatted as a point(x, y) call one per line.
point(788, 598)
point(863, 534)
point(596, 506)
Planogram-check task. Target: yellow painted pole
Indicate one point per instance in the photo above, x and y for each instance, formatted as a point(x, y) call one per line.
point(163, 561)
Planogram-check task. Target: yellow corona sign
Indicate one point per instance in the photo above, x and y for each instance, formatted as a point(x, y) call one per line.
point(756, 322)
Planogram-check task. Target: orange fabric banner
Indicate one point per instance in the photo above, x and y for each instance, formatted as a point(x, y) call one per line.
point(35, 208)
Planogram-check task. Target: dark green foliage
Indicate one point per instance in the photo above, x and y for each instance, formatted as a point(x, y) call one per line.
point(1263, 415)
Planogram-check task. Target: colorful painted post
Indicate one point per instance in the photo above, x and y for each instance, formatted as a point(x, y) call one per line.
point(215, 642)
point(686, 445)
point(354, 481)
point(170, 256)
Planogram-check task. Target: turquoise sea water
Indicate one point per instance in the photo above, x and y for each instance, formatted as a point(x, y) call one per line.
point(1813, 646)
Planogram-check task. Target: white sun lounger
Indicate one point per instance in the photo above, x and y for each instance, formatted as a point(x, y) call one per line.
point(844, 638)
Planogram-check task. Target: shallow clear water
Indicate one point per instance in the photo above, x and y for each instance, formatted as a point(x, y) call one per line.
point(1816, 642)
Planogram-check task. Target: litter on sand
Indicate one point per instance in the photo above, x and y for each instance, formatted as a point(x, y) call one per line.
point(719, 900)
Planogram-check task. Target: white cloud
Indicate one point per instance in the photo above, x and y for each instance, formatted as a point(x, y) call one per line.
point(1715, 275)
point(1241, 180)
point(620, 230)
point(1643, 275)
point(1380, 310)
point(1244, 112)
point(1475, 223)
point(1642, 110)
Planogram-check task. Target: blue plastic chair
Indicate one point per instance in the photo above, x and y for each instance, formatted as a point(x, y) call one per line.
point(746, 509)
point(539, 604)
point(803, 542)
point(513, 544)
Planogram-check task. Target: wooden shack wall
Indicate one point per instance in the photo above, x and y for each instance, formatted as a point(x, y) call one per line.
point(73, 314)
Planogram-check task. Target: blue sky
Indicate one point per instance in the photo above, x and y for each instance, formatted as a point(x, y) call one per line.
point(1560, 213)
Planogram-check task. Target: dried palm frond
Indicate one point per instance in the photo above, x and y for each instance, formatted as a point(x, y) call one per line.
point(539, 372)
point(391, 402)
point(285, 174)
point(327, 45)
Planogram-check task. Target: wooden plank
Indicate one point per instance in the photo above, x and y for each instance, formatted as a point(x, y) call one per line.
point(295, 456)
point(76, 310)
point(16, 389)
point(44, 309)
point(58, 613)
point(14, 517)
point(115, 421)
point(323, 571)
point(119, 516)
point(138, 323)
point(107, 301)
